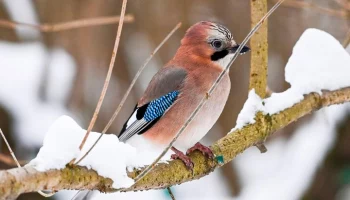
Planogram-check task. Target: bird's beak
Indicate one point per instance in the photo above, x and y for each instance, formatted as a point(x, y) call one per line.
point(235, 48)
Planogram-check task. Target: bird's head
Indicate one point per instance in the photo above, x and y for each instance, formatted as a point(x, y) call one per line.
point(211, 41)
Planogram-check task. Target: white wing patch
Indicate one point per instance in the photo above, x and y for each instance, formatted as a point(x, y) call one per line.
point(132, 119)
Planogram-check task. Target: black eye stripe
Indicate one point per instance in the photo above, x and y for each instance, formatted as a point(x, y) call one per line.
point(218, 55)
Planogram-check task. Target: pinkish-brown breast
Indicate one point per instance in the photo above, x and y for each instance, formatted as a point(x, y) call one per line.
point(198, 81)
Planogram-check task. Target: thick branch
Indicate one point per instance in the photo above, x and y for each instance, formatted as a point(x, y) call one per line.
point(20, 180)
point(259, 55)
point(259, 46)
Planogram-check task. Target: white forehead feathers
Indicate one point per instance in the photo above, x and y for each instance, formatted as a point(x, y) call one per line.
point(220, 31)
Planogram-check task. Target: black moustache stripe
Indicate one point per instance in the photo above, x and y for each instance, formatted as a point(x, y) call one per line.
point(219, 54)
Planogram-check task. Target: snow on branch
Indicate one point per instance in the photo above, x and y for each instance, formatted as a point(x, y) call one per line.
point(110, 157)
point(318, 63)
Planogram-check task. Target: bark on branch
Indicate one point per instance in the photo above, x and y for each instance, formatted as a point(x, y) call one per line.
point(21, 180)
point(259, 54)
point(259, 46)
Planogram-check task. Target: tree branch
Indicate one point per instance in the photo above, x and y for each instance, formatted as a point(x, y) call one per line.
point(259, 54)
point(21, 180)
point(63, 26)
point(108, 76)
point(259, 46)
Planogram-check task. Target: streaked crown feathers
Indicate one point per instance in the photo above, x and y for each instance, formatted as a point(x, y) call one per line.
point(206, 31)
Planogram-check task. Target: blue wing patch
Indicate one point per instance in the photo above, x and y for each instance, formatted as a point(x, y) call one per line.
point(146, 116)
point(156, 108)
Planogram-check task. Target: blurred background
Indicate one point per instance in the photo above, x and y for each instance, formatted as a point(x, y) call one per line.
point(47, 74)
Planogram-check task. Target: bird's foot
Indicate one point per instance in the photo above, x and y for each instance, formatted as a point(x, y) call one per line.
point(185, 159)
point(205, 150)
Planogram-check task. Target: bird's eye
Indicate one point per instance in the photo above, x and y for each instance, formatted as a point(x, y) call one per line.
point(217, 44)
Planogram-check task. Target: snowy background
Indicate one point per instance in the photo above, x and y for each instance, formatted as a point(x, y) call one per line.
point(46, 75)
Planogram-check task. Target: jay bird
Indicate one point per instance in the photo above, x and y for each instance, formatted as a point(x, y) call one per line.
point(176, 89)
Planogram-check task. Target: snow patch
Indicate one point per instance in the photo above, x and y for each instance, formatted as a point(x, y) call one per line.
point(60, 145)
point(318, 62)
point(250, 108)
point(110, 158)
point(280, 101)
point(23, 11)
point(61, 73)
point(22, 69)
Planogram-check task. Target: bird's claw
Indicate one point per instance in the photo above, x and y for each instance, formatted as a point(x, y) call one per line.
point(204, 149)
point(185, 159)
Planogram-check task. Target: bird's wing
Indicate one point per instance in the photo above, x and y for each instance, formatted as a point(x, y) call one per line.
point(160, 94)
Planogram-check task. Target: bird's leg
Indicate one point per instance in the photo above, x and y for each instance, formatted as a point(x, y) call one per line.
point(205, 150)
point(185, 159)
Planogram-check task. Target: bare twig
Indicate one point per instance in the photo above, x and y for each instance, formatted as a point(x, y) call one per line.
point(303, 4)
point(200, 105)
point(10, 149)
point(109, 74)
point(171, 193)
point(19, 165)
point(129, 89)
point(49, 28)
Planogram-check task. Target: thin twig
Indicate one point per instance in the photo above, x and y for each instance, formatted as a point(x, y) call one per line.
point(171, 193)
point(19, 165)
point(10, 149)
point(200, 105)
point(108, 77)
point(49, 28)
point(129, 89)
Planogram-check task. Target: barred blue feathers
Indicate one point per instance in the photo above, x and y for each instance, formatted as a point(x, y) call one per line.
point(156, 108)
point(146, 116)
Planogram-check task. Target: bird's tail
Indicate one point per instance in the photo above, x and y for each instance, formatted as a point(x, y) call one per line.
point(82, 195)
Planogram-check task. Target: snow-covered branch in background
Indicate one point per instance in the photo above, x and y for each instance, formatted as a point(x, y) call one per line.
point(319, 62)
point(23, 67)
point(23, 11)
point(291, 161)
point(278, 112)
